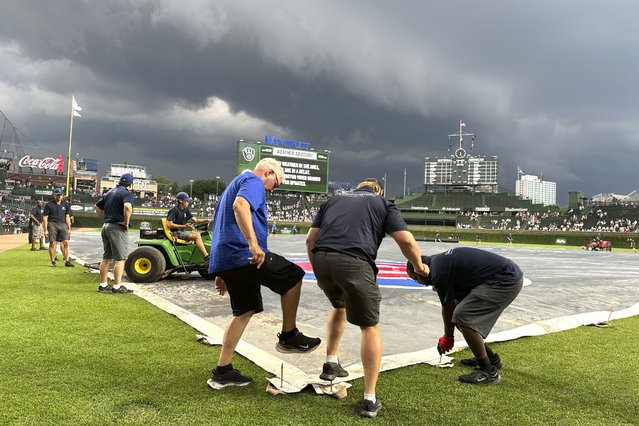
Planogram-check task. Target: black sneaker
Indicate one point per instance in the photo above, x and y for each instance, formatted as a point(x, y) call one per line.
point(34, 249)
point(482, 377)
point(43, 248)
point(472, 362)
point(369, 408)
point(107, 289)
point(331, 370)
point(53, 263)
point(298, 343)
point(230, 378)
point(69, 264)
point(121, 290)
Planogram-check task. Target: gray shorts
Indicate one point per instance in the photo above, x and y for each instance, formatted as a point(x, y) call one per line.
point(482, 307)
point(58, 231)
point(182, 235)
point(115, 241)
point(349, 283)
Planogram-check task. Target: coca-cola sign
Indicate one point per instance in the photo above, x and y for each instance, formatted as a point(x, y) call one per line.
point(48, 163)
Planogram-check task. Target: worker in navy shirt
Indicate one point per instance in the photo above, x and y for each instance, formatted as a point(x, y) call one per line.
point(115, 208)
point(474, 287)
point(179, 218)
point(57, 226)
point(241, 261)
point(342, 246)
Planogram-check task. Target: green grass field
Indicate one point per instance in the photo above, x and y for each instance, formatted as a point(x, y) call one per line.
point(71, 355)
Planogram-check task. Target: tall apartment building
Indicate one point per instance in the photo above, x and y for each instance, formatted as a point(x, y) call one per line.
point(538, 191)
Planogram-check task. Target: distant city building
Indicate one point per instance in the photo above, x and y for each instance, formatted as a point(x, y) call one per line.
point(143, 186)
point(530, 187)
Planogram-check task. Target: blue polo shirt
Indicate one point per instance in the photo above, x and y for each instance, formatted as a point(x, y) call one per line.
point(229, 249)
point(113, 204)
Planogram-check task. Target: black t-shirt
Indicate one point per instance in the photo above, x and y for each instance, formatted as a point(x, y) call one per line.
point(36, 212)
point(457, 271)
point(56, 212)
point(179, 215)
point(113, 204)
point(355, 224)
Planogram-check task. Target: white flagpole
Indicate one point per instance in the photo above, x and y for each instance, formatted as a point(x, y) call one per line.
point(69, 156)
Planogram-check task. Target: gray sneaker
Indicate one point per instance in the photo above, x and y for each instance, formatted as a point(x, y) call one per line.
point(107, 289)
point(121, 290)
point(53, 263)
point(369, 408)
point(331, 370)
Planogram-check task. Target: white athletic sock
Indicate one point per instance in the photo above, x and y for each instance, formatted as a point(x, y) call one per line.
point(117, 286)
point(103, 285)
point(370, 397)
point(332, 358)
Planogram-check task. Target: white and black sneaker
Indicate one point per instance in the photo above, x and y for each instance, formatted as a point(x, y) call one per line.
point(230, 378)
point(482, 377)
point(297, 343)
point(370, 408)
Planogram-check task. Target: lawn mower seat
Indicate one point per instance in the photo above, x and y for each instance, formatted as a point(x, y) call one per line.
point(172, 237)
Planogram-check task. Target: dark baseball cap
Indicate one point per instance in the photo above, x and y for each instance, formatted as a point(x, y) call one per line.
point(57, 191)
point(416, 277)
point(183, 196)
point(126, 178)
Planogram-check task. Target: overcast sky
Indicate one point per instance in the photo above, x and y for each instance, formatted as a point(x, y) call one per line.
point(549, 86)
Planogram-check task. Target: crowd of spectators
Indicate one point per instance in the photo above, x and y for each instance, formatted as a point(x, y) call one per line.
point(582, 218)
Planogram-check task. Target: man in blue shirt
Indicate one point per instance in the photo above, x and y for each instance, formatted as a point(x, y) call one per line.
point(241, 261)
point(115, 207)
point(57, 226)
point(474, 287)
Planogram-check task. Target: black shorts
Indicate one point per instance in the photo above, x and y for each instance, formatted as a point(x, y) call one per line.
point(244, 283)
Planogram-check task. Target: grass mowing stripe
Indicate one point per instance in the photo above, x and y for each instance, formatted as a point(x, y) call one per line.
point(71, 355)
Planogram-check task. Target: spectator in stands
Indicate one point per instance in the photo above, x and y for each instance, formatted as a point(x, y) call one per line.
point(179, 218)
point(57, 226)
point(35, 221)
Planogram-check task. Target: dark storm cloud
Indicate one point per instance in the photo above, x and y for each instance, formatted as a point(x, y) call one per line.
point(547, 86)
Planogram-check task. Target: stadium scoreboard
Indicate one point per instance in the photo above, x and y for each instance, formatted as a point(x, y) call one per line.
point(306, 170)
point(461, 170)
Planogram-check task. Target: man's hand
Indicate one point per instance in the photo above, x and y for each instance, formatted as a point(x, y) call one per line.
point(445, 344)
point(422, 269)
point(124, 224)
point(220, 285)
point(258, 255)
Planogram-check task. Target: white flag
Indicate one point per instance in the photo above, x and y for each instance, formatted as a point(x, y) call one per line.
point(75, 107)
point(462, 124)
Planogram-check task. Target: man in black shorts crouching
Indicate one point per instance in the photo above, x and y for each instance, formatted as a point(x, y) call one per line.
point(474, 287)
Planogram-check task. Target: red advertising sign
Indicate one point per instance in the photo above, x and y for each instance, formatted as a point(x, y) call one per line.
point(47, 163)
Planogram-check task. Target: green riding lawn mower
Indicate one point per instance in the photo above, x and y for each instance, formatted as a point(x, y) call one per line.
point(160, 254)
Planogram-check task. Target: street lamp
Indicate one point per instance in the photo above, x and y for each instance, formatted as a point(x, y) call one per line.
point(191, 193)
point(217, 185)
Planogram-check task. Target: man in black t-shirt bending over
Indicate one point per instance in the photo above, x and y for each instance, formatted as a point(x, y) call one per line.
point(474, 287)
